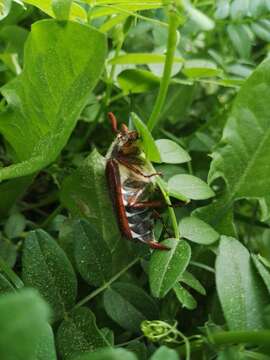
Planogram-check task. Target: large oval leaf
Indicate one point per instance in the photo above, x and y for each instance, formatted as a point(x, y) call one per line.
point(128, 305)
point(166, 266)
point(242, 156)
point(189, 186)
point(23, 318)
point(165, 353)
point(108, 354)
point(92, 254)
point(46, 347)
point(45, 101)
point(240, 290)
point(198, 231)
point(46, 267)
point(171, 152)
point(79, 333)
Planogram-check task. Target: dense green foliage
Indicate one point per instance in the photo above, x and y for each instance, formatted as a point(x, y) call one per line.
point(193, 78)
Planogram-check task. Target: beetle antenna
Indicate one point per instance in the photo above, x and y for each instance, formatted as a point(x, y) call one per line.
point(113, 121)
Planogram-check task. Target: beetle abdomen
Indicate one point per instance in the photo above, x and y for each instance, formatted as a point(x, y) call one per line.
point(140, 220)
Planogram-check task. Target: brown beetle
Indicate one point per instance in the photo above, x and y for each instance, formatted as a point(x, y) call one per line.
point(131, 186)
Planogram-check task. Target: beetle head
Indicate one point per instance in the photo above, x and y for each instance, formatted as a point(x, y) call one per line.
point(126, 138)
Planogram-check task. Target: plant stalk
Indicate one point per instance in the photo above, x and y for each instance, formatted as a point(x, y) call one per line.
point(107, 284)
point(166, 77)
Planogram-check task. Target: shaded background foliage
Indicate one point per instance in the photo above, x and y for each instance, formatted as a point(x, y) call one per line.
point(75, 287)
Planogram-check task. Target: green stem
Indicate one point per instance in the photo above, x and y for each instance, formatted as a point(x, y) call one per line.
point(259, 337)
point(170, 209)
point(165, 81)
point(111, 75)
point(107, 284)
point(17, 282)
point(49, 219)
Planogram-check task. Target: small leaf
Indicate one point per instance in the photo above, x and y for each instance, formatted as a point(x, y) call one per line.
point(8, 251)
point(46, 348)
point(108, 354)
point(264, 273)
point(61, 9)
point(240, 38)
point(184, 297)
point(5, 285)
point(23, 317)
point(46, 267)
point(92, 254)
point(167, 266)
point(190, 187)
point(79, 333)
point(137, 81)
point(241, 293)
point(199, 18)
point(190, 280)
point(128, 305)
point(171, 152)
point(198, 231)
point(5, 6)
point(149, 146)
point(200, 68)
point(165, 353)
point(15, 225)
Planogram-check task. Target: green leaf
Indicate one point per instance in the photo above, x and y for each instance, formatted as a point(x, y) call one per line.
point(241, 293)
point(200, 68)
point(240, 38)
point(46, 267)
point(262, 29)
point(46, 348)
point(171, 152)
point(190, 280)
point(8, 251)
point(163, 352)
point(137, 81)
point(149, 146)
point(10, 191)
point(76, 11)
point(92, 254)
point(45, 101)
point(61, 9)
point(5, 7)
point(184, 297)
point(190, 187)
point(199, 18)
point(242, 154)
point(5, 285)
point(128, 305)
point(141, 59)
point(198, 231)
point(167, 266)
point(23, 317)
point(262, 270)
point(79, 333)
point(15, 225)
point(108, 354)
point(85, 193)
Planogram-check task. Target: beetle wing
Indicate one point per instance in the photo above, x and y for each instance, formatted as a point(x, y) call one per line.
point(114, 182)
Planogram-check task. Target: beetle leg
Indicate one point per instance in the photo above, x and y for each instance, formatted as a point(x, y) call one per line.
point(155, 204)
point(134, 169)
